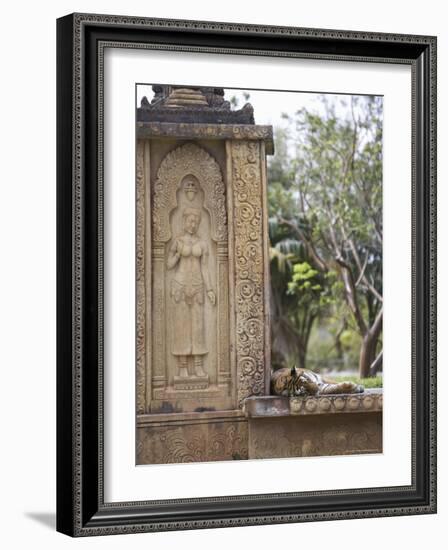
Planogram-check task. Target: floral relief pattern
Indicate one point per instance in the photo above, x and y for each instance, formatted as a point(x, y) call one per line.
point(195, 160)
point(198, 131)
point(193, 443)
point(249, 268)
point(140, 283)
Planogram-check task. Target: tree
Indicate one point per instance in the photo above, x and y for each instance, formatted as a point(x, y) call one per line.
point(288, 340)
point(294, 307)
point(337, 166)
point(314, 294)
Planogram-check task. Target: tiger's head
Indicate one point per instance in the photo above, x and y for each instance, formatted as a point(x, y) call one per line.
point(303, 383)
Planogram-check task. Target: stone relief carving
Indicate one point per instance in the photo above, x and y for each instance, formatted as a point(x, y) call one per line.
point(140, 280)
point(201, 131)
point(192, 160)
point(193, 443)
point(337, 404)
point(189, 243)
point(249, 268)
point(189, 291)
point(268, 406)
point(188, 256)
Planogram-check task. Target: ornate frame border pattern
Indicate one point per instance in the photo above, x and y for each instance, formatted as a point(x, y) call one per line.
point(81, 38)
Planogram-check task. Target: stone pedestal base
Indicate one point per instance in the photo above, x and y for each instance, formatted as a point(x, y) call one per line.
point(281, 427)
point(191, 382)
point(191, 437)
point(182, 399)
point(270, 427)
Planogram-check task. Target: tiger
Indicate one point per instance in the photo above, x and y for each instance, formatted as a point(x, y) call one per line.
point(294, 382)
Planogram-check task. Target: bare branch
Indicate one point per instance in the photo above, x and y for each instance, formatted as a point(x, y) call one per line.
point(377, 364)
point(349, 285)
point(361, 275)
point(350, 293)
point(377, 325)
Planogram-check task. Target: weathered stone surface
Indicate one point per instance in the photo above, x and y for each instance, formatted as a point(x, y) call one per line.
point(191, 437)
point(202, 274)
point(251, 261)
point(148, 130)
point(314, 426)
point(185, 104)
point(265, 406)
point(183, 305)
point(315, 435)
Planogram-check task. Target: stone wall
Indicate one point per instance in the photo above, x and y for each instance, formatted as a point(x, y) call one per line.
point(191, 437)
point(315, 426)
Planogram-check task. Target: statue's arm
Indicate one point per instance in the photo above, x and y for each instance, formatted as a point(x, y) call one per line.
point(173, 255)
point(204, 267)
point(206, 275)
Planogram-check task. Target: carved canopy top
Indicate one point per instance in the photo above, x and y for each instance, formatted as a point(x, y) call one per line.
point(192, 105)
point(182, 161)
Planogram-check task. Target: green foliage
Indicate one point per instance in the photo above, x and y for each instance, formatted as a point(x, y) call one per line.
point(349, 339)
point(338, 177)
point(325, 220)
point(368, 383)
point(304, 279)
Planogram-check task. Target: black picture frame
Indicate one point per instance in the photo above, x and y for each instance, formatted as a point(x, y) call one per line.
point(81, 510)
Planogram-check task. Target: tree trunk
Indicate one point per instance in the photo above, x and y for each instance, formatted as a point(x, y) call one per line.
point(302, 358)
point(377, 365)
point(367, 354)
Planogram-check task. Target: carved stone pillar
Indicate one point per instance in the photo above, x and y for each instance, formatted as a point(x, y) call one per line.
point(202, 268)
point(251, 275)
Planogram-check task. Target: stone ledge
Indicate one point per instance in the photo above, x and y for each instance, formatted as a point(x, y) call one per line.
point(274, 406)
point(168, 419)
point(147, 130)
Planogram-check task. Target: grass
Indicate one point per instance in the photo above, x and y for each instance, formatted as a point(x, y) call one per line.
point(373, 382)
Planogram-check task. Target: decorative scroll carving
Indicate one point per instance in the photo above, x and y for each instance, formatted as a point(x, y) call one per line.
point(205, 442)
point(337, 404)
point(140, 280)
point(219, 445)
point(182, 161)
point(249, 268)
point(208, 131)
point(266, 406)
point(223, 313)
point(158, 316)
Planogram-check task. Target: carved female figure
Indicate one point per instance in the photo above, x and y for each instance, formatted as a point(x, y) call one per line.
point(188, 256)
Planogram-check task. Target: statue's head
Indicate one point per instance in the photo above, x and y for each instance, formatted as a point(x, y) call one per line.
point(191, 218)
point(190, 185)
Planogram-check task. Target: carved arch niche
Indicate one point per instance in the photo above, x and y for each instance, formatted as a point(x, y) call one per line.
point(189, 179)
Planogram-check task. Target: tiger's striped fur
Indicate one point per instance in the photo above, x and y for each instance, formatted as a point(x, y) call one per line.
point(302, 382)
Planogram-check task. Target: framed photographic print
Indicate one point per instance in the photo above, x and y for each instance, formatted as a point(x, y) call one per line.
point(246, 274)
